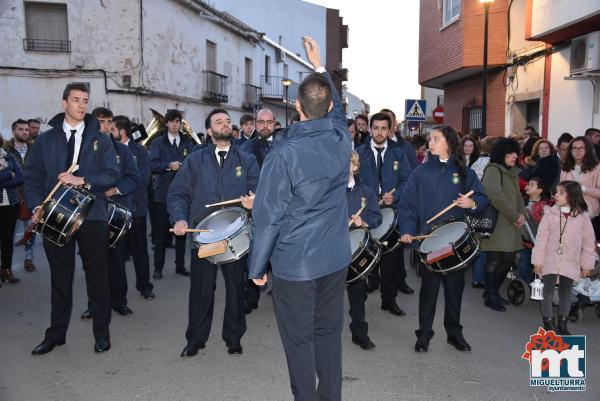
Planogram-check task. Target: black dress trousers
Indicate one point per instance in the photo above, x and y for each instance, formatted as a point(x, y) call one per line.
point(117, 277)
point(137, 246)
point(161, 235)
point(357, 294)
point(92, 238)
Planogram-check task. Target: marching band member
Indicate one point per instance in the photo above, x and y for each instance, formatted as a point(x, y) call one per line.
point(358, 195)
point(212, 174)
point(384, 167)
point(122, 194)
point(75, 138)
point(431, 187)
point(167, 153)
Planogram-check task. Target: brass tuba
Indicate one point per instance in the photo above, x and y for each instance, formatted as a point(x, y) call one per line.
point(158, 124)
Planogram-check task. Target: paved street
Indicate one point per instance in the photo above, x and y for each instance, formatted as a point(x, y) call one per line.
point(144, 362)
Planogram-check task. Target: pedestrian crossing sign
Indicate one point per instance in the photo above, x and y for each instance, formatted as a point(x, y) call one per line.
point(415, 110)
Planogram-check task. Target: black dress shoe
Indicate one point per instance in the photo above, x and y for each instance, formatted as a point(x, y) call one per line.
point(422, 344)
point(234, 349)
point(405, 289)
point(122, 310)
point(148, 294)
point(393, 308)
point(157, 275)
point(46, 346)
point(87, 315)
point(250, 308)
point(493, 303)
point(502, 300)
point(364, 343)
point(478, 285)
point(459, 343)
point(191, 350)
point(102, 345)
point(183, 271)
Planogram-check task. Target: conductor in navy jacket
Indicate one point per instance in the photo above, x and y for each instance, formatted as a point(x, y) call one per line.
point(167, 154)
point(75, 138)
point(301, 227)
point(213, 174)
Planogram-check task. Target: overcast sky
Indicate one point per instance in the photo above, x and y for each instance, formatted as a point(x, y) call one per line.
point(383, 49)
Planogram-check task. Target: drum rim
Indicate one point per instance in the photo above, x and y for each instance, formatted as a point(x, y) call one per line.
point(394, 223)
point(125, 228)
point(459, 266)
point(216, 212)
point(458, 241)
point(362, 241)
point(376, 259)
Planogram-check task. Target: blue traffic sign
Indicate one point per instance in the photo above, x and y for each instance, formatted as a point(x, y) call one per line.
point(415, 110)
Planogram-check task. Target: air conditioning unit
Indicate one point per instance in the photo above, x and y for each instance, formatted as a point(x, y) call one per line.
point(585, 54)
point(279, 55)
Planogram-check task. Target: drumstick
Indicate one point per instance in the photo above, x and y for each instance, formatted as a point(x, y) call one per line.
point(421, 237)
point(191, 230)
point(357, 213)
point(390, 193)
point(229, 202)
point(453, 204)
point(70, 170)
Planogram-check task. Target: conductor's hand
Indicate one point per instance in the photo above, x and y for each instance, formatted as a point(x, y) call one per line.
point(70, 179)
point(174, 166)
point(260, 281)
point(387, 198)
point(464, 202)
point(406, 238)
point(312, 52)
point(180, 227)
point(357, 221)
point(248, 201)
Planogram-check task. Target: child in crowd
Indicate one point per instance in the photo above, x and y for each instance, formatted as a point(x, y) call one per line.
point(564, 251)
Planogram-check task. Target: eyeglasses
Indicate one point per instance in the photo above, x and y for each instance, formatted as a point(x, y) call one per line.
point(263, 122)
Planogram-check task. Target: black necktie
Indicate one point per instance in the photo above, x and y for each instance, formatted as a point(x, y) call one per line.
point(380, 164)
point(71, 148)
point(222, 154)
point(175, 144)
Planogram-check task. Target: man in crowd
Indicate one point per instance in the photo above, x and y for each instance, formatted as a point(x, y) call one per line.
point(247, 126)
point(362, 125)
point(34, 128)
point(396, 136)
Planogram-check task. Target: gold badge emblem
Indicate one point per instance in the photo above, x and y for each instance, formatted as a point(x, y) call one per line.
point(184, 152)
point(238, 171)
point(396, 164)
point(363, 202)
point(455, 178)
point(95, 145)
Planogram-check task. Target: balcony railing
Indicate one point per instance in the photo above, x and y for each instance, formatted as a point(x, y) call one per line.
point(251, 97)
point(273, 88)
point(46, 45)
point(215, 87)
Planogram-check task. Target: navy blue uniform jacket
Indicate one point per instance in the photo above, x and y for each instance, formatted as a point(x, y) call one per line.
point(431, 187)
point(48, 158)
point(371, 213)
point(161, 154)
point(129, 177)
point(408, 148)
point(259, 147)
point(300, 212)
point(142, 161)
point(396, 169)
point(201, 181)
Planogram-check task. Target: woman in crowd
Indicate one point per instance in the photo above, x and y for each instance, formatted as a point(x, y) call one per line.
point(470, 149)
point(501, 184)
point(542, 163)
point(580, 165)
point(10, 178)
point(562, 145)
point(420, 144)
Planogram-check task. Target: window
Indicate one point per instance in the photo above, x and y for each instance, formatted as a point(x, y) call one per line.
point(46, 27)
point(248, 70)
point(267, 68)
point(451, 11)
point(211, 56)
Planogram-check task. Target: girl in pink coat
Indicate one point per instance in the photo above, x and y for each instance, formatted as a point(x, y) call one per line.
point(564, 251)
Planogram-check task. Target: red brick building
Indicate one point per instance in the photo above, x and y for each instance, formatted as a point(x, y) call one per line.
point(451, 58)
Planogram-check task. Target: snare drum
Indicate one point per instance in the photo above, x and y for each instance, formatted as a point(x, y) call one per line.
point(387, 232)
point(231, 225)
point(119, 222)
point(63, 214)
point(366, 252)
point(451, 248)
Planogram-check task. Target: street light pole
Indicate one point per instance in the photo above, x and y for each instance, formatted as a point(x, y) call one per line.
point(286, 83)
point(486, 7)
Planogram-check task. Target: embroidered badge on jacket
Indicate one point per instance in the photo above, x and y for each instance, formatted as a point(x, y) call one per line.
point(455, 178)
point(95, 145)
point(363, 202)
point(184, 152)
point(396, 164)
point(118, 159)
point(238, 171)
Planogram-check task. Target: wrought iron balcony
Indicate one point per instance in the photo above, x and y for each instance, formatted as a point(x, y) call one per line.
point(251, 97)
point(215, 87)
point(273, 88)
point(46, 45)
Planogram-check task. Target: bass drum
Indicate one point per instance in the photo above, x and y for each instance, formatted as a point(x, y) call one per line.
point(451, 247)
point(119, 222)
point(231, 225)
point(387, 232)
point(64, 213)
point(366, 253)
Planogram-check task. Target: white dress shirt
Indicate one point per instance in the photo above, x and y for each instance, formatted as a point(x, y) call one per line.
point(177, 139)
point(78, 136)
point(217, 150)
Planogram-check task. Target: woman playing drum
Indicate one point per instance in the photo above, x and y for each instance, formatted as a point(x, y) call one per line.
point(442, 180)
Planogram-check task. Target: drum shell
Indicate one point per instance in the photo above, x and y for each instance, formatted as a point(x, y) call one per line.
point(119, 222)
point(465, 250)
point(64, 213)
point(387, 232)
point(364, 258)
